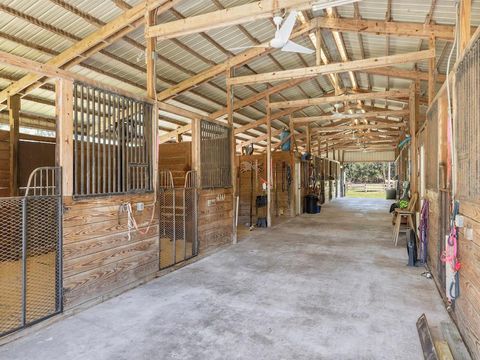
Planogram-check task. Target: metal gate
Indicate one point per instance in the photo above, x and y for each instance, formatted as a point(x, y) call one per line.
point(31, 252)
point(178, 219)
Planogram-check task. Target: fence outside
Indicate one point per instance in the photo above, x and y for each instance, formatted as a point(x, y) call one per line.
point(365, 187)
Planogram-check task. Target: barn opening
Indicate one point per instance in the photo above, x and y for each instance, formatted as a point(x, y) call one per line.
point(249, 179)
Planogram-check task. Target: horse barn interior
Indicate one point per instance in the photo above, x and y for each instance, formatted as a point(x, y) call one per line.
point(173, 179)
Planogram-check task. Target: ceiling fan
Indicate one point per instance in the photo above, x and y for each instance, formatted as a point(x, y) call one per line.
point(282, 36)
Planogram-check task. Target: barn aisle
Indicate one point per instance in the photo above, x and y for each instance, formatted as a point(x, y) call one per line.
point(327, 286)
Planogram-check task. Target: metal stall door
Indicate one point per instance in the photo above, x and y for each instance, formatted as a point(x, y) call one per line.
point(178, 219)
point(31, 252)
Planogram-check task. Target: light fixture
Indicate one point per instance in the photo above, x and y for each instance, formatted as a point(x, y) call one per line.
point(324, 4)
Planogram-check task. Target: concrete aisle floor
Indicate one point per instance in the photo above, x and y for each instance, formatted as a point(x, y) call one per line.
point(328, 286)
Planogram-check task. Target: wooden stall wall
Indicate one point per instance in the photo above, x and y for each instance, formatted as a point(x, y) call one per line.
point(4, 164)
point(33, 152)
point(246, 192)
point(466, 311)
point(101, 257)
point(215, 218)
point(176, 157)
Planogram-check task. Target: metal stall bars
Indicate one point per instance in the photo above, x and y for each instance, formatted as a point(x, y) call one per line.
point(112, 148)
point(215, 155)
point(467, 125)
point(178, 219)
point(31, 252)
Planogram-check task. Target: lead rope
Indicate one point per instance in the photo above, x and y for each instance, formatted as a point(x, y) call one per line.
point(131, 222)
point(423, 230)
point(449, 256)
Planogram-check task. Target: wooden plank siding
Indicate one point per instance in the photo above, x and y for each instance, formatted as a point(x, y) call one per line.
point(466, 312)
point(100, 258)
point(215, 218)
point(176, 157)
point(4, 164)
point(34, 151)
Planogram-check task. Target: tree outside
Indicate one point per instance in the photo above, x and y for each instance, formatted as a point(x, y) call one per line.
point(367, 180)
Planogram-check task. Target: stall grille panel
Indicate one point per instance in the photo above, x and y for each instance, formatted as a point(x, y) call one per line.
point(467, 140)
point(31, 252)
point(178, 219)
point(112, 142)
point(215, 155)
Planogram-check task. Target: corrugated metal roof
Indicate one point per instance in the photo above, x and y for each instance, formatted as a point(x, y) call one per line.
point(181, 58)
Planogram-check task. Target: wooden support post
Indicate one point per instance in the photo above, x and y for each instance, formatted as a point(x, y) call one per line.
point(269, 163)
point(13, 103)
point(319, 151)
point(196, 151)
point(150, 57)
point(465, 25)
point(432, 73)
point(230, 99)
point(293, 139)
point(64, 150)
point(413, 137)
point(309, 139)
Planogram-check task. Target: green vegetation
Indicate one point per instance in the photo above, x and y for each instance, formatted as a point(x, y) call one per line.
point(370, 173)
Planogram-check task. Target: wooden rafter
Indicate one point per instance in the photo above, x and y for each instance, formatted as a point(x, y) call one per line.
point(221, 18)
point(334, 68)
point(372, 114)
point(340, 98)
point(98, 40)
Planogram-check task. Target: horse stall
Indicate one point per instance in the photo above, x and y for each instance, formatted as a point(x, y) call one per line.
point(252, 183)
point(198, 175)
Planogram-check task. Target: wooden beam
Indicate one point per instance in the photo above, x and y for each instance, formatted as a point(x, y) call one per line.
point(222, 18)
point(340, 98)
point(233, 172)
point(432, 73)
point(55, 72)
point(373, 114)
point(308, 138)
point(174, 133)
point(64, 149)
point(359, 127)
point(395, 28)
point(98, 40)
point(259, 138)
point(216, 70)
point(13, 103)
point(465, 25)
point(257, 97)
point(413, 101)
point(150, 56)
point(355, 65)
point(404, 74)
point(257, 123)
point(269, 163)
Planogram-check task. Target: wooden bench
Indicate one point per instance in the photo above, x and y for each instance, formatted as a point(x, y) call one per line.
point(408, 213)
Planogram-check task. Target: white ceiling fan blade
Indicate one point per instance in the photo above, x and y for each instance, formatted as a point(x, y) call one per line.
point(287, 26)
point(294, 47)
